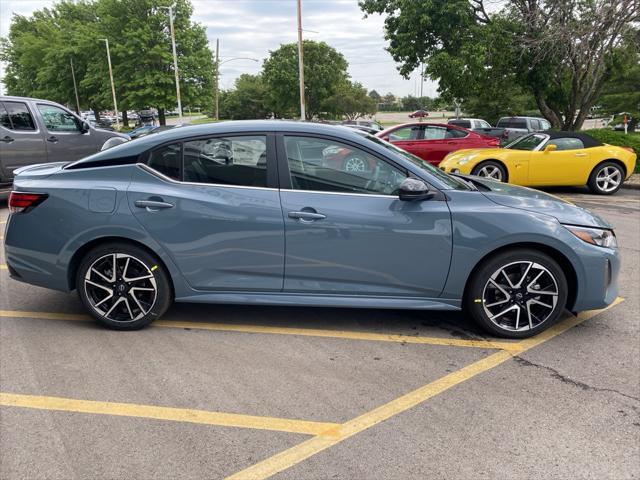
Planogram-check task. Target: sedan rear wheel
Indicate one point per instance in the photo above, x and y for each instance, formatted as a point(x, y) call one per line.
point(123, 286)
point(490, 170)
point(517, 294)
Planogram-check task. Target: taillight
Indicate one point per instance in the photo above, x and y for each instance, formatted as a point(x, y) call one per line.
point(20, 202)
point(630, 149)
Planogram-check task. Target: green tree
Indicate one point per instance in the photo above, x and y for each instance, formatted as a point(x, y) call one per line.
point(248, 100)
point(351, 101)
point(559, 52)
point(375, 95)
point(325, 69)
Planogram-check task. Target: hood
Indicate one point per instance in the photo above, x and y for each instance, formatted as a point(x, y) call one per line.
point(539, 202)
point(470, 152)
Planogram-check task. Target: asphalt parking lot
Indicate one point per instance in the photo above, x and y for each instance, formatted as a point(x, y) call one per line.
point(299, 393)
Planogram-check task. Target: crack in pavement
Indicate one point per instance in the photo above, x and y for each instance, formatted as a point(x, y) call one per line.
point(557, 375)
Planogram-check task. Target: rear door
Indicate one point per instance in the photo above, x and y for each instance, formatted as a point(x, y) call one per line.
point(212, 203)
point(21, 142)
point(409, 138)
point(348, 232)
point(64, 138)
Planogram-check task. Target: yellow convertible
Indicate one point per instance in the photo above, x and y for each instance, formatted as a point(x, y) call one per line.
point(549, 158)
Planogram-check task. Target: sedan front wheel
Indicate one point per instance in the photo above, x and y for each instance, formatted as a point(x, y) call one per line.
point(517, 294)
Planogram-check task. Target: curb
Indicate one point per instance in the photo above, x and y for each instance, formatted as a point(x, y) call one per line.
point(631, 186)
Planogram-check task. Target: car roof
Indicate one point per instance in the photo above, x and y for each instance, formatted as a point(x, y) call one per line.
point(587, 140)
point(143, 144)
point(12, 98)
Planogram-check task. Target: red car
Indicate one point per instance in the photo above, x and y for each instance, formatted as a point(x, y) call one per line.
point(433, 141)
point(419, 114)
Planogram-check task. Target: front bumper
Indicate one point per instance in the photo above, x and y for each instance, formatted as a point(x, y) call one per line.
point(599, 286)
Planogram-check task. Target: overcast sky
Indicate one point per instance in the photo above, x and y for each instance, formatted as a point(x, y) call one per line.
point(251, 28)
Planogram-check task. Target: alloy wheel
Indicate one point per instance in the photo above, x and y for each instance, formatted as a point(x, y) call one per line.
point(608, 179)
point(120, 287)
point(520, 296)
point(355, 164)
point(491, 171)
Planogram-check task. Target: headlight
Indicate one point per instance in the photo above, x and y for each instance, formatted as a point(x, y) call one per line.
point(594, 236)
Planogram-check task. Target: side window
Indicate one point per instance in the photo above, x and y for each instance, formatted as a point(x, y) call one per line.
point(455, 133)
point(167, 160)
point(435, 133)
point(484, 124)
point(535, 125)
point(406, 133)
point(227, 161)
point(58, 120)
point(567, 143)
point(329, 166)
point(545, 125)
point(20, 118)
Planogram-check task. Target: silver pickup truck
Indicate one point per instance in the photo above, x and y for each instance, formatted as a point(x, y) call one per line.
point(39, 131)
point(515, 127)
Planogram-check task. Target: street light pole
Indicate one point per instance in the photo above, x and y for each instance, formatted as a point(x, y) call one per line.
point(217, 80)
point(75, 87)
point(113, 87)
point(301, 62)
point(217, 76)
point(175, 60)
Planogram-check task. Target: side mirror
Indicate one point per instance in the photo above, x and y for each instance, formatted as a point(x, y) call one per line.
point(550, 148)
point(84, 127)
point(412, 189)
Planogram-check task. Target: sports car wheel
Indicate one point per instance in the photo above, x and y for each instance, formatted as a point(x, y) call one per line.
point(355, 164)
point(606, 178)
point(517, 294)
point(491, 170)
point(123, 286)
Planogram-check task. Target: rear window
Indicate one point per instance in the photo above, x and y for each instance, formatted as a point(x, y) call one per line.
point(512, 123)
point(17, 117)
point(461, 123)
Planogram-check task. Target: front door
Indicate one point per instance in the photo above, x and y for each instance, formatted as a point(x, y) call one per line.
point(563, 166)
point(214, 214)
point(409, 138)
point(64, 137)
point(21, 142)
point(348, 233)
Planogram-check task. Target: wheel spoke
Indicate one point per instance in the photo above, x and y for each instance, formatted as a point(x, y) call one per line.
point(504, 274)
point(506, 310)
point(131, 292)
point(524, 275)
point(91, 282)
point(504, 292)
point(115, 304)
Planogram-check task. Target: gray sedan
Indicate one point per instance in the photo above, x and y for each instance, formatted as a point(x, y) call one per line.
point(265, 212)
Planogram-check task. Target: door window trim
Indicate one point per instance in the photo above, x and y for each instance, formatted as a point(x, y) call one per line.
point(272, 164)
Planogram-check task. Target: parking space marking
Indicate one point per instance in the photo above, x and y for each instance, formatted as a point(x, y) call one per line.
point(321, 429)
point(298, 453)
point(306, 332)
point(3, 266)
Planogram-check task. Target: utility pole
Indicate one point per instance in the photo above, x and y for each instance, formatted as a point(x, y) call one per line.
point(175, 60)
point(217, 77)
point(421, 79)
point(113, 88)
point(75, 87)
point(301, 62)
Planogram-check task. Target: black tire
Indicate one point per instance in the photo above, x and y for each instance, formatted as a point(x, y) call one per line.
point(491, 164)
point(597, 186)
point(483, 298)
point(137, 273)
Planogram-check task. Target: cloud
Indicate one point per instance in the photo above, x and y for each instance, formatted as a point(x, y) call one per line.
point(252, 28)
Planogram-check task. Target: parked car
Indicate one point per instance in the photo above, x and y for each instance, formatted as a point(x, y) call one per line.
point(419, 114)
point(549, 158)
point(39, 131)
point(365, 123)
point(177, 217)
point(433, 141)
point(479, 126)
point(618, 120)
point(515, 127)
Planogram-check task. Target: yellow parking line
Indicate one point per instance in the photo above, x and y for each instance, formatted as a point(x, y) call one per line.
point(306, 332)
point(3, 266)
point(168, 413)
point(294, 455)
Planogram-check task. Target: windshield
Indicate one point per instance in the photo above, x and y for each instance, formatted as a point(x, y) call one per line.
point(528, 142)
point(439, 174)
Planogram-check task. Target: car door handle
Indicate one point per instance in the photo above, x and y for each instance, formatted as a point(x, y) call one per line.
point(52, 139)
point(7, 139)
point(152, 205)
point(306, 216)
point(581, 154)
